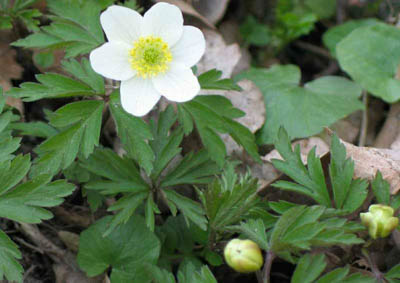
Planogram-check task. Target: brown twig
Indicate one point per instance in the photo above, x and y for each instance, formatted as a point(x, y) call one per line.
point(390, 129)
point(314, 49)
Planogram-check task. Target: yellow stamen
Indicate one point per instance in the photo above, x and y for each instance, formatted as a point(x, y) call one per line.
point(150, 56)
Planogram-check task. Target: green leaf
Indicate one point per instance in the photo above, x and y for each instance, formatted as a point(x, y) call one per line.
point(10, 269)
point(80, 123)
point(12, 172)
point(309, 268)
point(303, 111)
point(122, 173)
point(254, 32)
point(51, 85)
point(24, 203)
point(194, 168)
point(191, 210)
point(212, 80)
point(212, 115)
point(134, 134)
point(192, 272)
point(5, 22)
point(363, 55)
point(228, 203)
point(8, 144)
point(165, 144)
point(381, 189)
point(159, 275)
point(359, 277)
point(348, 194)
point(126, 207)
point(321, 8)
point(311, 181)
point(204, 276)
point(122, 176)
point(393, 273)
point(335, 34)
point(120, 250)
point(335, 276)
point(295, 228)
point(178, 237)
point(254, 230)
point(75, 27)
point(44, 59)
point(36, 129)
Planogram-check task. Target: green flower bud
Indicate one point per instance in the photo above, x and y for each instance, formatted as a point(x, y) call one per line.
point(379, 220)
point(243, 255)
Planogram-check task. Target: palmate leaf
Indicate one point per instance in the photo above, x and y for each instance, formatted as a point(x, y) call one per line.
point(254, 230)
point(190, 209)
point(301, 227)
point(75, 26)
point(80, 124)
point(134, 134)
point(311, 181)
point(381, 189)
point(25, 202)
point(8, 144)
point(302, 111)
point(348, 194)
point(120, 175)
point(51, 85)
point(127, 249)
point(9, 254)
point(165, 143)
point(194, 168)
point(12, 172)
point(19, 10)
point(228, 201)
point(310, 267)
point(212, 80)
point(213, 115)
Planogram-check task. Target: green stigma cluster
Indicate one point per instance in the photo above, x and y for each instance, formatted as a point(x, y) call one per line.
point(150, 56)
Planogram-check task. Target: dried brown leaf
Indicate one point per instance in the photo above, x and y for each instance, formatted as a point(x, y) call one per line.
point(219, 55)
point(188, 9)
point(305, 146)
point(213, 10)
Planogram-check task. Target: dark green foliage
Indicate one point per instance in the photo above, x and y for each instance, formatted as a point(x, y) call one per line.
point(213, 115)
point(51, 85)
point(75, 26)
point(348, 194)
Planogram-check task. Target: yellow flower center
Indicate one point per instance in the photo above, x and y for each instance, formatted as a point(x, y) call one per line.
point(150, 56)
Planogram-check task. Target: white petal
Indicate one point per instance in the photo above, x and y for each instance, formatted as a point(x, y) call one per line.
point(138, 96)
point(111, 60)
point(178, 84)
point(163, 20)
point(121, 24)
point(190, 47)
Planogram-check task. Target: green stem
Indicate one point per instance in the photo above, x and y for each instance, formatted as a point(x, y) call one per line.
point(266, 272)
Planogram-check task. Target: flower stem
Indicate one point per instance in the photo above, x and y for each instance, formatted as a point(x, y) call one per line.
point(269, 258)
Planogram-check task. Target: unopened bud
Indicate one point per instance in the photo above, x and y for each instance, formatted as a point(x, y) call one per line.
point(243, 255)
point(379, 220)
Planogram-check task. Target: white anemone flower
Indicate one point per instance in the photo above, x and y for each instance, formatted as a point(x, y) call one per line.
point(151, 55)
